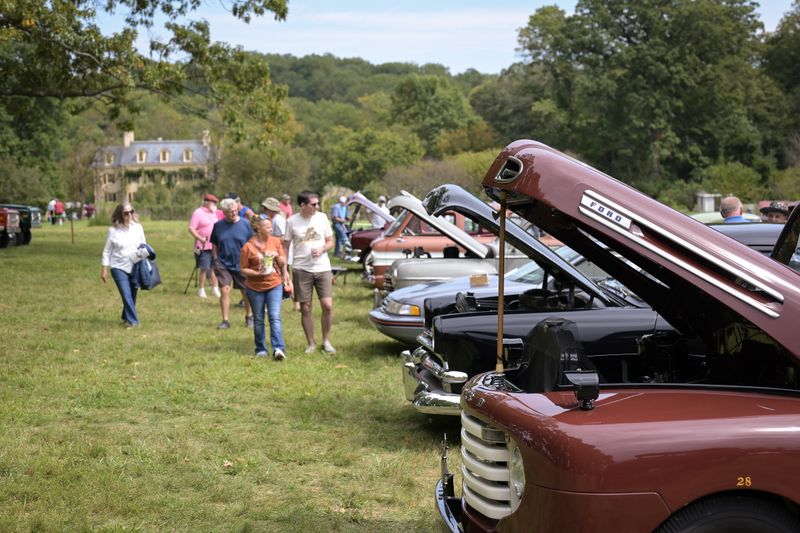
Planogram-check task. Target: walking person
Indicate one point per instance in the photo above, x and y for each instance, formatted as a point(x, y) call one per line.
point(227, 239)
point(309, 233)
point(263, 263)
point(120, 253)
point(340, 218)
point(200, 226)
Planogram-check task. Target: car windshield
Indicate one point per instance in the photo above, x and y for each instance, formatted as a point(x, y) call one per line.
point(532, 273)
point(398, 222)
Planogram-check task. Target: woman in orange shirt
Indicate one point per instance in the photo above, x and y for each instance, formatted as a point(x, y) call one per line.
point(263, 263)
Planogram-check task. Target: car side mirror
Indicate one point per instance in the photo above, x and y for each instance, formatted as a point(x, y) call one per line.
point(586, 385)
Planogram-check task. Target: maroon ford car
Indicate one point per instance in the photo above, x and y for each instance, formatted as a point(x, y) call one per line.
point(662, 439)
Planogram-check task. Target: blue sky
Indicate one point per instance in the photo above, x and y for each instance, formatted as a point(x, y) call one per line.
point(459, 34)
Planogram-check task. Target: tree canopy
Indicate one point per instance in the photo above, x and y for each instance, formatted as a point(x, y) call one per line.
point(57, 50)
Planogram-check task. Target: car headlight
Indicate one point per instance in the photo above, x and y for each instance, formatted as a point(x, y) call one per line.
point(516, 474)
point(397, 308)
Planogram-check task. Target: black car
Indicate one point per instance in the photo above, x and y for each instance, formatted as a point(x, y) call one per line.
point(460, 336)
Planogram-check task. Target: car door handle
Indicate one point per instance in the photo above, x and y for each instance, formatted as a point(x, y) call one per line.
point(400, 239)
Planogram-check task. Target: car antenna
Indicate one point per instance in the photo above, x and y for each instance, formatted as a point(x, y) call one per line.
point(501, 279)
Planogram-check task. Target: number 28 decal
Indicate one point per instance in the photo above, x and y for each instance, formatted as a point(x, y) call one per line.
point(743, 481)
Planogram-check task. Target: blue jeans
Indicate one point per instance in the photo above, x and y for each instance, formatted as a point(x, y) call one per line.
point(272, 300)
point(127, 292)
point(341, 238)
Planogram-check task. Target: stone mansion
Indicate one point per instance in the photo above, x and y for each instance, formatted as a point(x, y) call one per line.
point(120, 170)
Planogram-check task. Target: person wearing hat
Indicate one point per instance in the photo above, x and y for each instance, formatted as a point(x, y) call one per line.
point(286, 206)
point(375, 220)
point(340, 218)
point(200, 226)
point(271, 208)
point(776, 212)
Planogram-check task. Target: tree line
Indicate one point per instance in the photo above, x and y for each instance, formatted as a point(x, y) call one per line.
point(671, 96)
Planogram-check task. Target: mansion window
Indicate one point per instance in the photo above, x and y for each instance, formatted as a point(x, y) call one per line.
point(141, 156)
point(187, 156)
point(109, 158)
point(164, 156)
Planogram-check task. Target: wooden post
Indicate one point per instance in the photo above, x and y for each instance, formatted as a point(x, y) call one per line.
point(501, 285)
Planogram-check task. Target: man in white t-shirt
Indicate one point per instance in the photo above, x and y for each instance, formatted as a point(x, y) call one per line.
point(310, 235)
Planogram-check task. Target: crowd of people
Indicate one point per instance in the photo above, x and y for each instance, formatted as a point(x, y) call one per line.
point(236, 248)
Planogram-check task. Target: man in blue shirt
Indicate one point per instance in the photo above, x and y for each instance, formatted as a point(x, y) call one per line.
point(731, 210)
point(340, 218)
point(227, 239)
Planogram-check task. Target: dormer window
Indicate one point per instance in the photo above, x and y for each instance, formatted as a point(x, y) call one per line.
point(110, 158)
point(164, 156)
point(187, 156)
point(141, 156)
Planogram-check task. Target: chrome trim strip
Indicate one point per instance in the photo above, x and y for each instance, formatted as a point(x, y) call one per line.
point(679, 262)
point(679, 240)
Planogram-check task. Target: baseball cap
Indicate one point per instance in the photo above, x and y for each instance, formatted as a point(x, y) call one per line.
point(210, 198)
point(381, 198)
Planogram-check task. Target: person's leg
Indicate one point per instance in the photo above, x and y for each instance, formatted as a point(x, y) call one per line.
point(225, 282)
point(127, 293)
point(303, 286)
point(257, 301)
point(274, 299)
point(238, 283)
point(323, 283)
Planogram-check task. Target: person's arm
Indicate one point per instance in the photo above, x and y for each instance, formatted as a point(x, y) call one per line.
point(105, 260)
point(193, 231)
point(244, 263)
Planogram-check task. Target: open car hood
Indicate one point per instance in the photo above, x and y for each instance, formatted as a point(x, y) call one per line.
point(358, 198)
point(454, 198)
point(456, 234)
point(701, 281)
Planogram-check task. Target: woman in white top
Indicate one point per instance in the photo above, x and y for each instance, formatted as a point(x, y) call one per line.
point(119, 254)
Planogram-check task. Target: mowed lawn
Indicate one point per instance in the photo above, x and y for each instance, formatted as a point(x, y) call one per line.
point(175, 426)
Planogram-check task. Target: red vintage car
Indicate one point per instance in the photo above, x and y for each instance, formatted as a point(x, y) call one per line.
point(667, 438)
point(415, 233)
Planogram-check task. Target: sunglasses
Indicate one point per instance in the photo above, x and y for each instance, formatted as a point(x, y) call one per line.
point(315, 204)
point(128, 212)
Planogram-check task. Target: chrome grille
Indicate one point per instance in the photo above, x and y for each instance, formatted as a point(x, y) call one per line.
point(484, 469)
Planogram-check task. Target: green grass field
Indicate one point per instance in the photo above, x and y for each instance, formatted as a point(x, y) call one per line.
point(176, 426)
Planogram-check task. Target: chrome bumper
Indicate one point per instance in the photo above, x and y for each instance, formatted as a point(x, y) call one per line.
point(422, 384)
point(447, 504)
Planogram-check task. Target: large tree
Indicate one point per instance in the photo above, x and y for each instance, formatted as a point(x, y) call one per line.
point(55, 49)
point(653, 89)
point(430, 106)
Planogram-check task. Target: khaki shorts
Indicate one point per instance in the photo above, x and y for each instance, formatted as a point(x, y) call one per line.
point(225, 277)
point(304, 283)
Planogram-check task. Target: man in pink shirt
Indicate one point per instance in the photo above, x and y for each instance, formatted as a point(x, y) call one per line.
point(200, 226)
point(286, 206)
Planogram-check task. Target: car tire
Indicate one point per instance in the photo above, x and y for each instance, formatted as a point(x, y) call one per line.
point(4, 239)
point(26, 236)
point(739, 513)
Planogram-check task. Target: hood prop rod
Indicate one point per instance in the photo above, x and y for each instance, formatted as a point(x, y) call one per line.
point(501, 282)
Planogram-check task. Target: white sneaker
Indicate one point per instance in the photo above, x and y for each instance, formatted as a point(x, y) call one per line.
point(202, 293)
point(279, 355)
point(328, 347)
point(215, 291)
point(311, 348)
